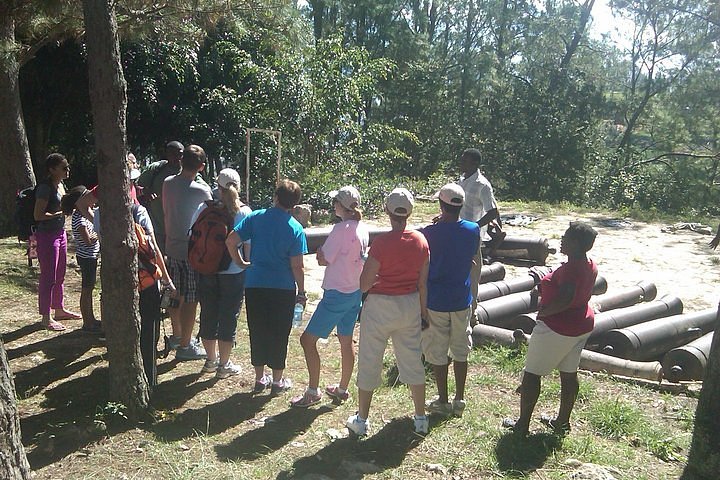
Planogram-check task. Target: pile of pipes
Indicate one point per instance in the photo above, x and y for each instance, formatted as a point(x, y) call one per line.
point(635, 335)
point(521, 250)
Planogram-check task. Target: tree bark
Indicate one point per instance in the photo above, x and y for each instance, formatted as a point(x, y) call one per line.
point(14, 149)
point(704, 458)
point(108, 97)
point(13, 462)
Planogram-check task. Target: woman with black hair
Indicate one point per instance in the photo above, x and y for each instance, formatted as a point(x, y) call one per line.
point(52, 243)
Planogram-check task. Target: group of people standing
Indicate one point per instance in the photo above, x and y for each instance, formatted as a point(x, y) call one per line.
point(420, 286)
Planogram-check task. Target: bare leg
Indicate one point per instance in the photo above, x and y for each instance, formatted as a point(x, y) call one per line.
point(569, 387)
point(418, 397)
point(312, 358)
point(210, 348)
point(441, 376)
point(175, 322)
point(187, 321)
point(347, 354)
point(259, 372)
point(460, 369)
point(277, 375)
point(364, 400)
point(529, 394)
point(225, 348)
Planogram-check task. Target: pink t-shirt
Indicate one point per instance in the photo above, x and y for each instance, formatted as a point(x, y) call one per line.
point(401, 256)
point(578, 319)
point(345, 250)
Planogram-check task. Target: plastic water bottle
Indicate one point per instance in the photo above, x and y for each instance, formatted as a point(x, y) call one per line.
point(297, 315)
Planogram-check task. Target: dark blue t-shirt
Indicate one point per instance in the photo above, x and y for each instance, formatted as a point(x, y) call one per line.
point(276, 236)
point(452, 248)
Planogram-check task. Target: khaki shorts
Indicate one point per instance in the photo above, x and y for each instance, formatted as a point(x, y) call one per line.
point(549, 350)
point(449, 334)
point(395, 317)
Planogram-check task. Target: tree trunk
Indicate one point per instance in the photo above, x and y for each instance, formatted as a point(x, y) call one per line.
point(108, 97)
point(13, 139)
point(13, 462)
point(704, 458)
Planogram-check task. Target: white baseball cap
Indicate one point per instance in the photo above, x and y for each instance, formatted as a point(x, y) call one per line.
point(452, 194)
point(348, 196)
point(400, 202)
point(228, 176)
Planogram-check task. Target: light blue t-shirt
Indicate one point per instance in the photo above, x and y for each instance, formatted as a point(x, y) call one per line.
point(276, 236)
point(452, 247)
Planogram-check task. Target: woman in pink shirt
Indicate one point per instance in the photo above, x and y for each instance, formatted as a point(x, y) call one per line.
point(343, 254)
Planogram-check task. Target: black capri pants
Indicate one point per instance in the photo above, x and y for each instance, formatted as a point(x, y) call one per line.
point(269, 314)
point(221, 296)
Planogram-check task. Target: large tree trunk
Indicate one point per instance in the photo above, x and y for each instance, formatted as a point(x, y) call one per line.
point(14, 150)
point(13, 462)
point(128, 384)
point(704, 458)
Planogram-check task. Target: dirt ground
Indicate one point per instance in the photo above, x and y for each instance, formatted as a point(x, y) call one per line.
point(56, 376)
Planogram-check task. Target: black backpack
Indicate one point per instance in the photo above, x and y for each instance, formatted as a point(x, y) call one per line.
point(25, 213)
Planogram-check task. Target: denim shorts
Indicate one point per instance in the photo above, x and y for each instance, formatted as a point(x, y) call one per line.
point(335, 309)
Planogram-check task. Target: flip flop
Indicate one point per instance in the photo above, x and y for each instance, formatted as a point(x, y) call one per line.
point(68, 316)
point(54, 326)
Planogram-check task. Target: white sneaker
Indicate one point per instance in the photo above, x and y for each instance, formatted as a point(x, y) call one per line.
point(458, 407)
point(191, 352)
point(227, 370)
point(422, 424)
point(357, 426)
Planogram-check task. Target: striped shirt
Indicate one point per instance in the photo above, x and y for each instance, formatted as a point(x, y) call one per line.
point(82, 249)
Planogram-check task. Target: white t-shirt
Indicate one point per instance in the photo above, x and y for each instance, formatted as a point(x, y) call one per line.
point(479, 200)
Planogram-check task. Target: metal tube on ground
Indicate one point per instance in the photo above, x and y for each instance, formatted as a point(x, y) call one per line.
point(642, 292)
point(492, 272)
point(593, 361)
point(490, 290)
point(649, 340)
point(666, 306)
point(534, 249)
point(498, 311)
point(597, 362)
point(689, 361)
point(484, 334)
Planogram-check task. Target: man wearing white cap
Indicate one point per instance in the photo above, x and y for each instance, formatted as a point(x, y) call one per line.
point(395, 277)
point(453, 244)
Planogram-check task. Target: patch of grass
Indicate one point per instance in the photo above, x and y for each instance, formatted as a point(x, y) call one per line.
point(614, 418)
point(510, 360)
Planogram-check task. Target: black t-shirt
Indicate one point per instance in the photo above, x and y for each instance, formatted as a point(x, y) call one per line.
point(48, 192)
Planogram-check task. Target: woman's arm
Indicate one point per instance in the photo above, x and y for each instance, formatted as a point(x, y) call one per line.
point(231, 243)
point(560, 303)
point(422, 289)
point(369, 274)
point(298, 270)
point(165, 279)
point(40, 214)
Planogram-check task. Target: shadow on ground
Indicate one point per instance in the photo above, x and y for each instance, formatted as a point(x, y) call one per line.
point(519, 455)
point(67, 423)
point(352, 457)
point(211, 419)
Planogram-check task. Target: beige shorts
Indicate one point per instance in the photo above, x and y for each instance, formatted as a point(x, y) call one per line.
point(395, 317)
point(449, 334)
point(549, 350)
